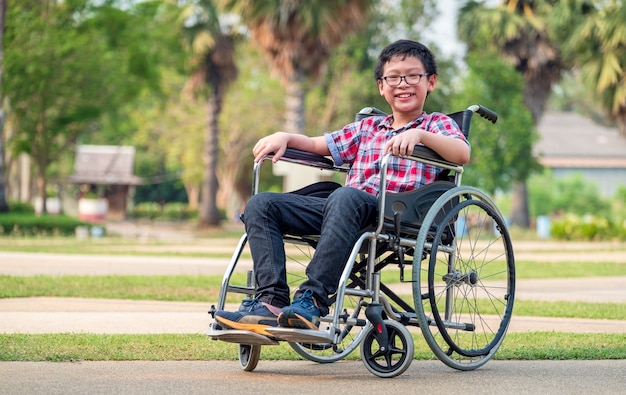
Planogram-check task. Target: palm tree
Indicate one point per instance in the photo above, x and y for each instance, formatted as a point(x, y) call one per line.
point(598, 49)
point(518, 29)
point(214, 70)
point(297, 37)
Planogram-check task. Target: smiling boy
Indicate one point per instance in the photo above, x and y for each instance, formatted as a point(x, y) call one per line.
point(406, 73)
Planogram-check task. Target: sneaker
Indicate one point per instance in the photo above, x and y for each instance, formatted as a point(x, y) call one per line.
point(253, 315)
point(303, 313)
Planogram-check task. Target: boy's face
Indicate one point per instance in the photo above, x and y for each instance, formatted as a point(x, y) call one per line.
point(405, 98)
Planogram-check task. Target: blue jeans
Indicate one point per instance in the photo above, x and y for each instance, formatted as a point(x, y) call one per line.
point(338, 219)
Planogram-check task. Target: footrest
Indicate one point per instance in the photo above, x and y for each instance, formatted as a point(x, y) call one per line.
point(300, 335)
point(241, 337)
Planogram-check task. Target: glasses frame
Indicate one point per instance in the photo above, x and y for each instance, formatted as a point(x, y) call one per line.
point(404, 77)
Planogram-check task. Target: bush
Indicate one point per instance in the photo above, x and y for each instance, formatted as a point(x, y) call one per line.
point(16, 224)
point(169, 211)
point(178, 212)
point(573, 227)
point(16, 207)
point(548, 195)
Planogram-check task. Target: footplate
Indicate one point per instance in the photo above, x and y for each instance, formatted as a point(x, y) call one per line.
point(300, 335)
point(241, 337)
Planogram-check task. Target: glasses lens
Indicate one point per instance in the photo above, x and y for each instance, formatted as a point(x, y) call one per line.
point(393, 80)
point(413, 79)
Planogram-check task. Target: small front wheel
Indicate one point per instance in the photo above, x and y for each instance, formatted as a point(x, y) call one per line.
point(249, 356)
point(398, 355)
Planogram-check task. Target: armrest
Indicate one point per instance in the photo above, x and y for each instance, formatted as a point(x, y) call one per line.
point(421, 152)
point(305, 158)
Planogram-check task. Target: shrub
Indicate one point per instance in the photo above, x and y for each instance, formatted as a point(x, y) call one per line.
point(16, 207)
point(574, 227)
point(169, 211)
point(16, 224)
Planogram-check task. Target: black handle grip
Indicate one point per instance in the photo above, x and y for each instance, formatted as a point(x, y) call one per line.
point(487, 113)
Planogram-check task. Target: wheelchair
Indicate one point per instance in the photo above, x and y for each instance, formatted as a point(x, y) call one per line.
point(439, 260)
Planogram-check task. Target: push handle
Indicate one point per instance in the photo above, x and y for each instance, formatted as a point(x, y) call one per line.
point(485, 112)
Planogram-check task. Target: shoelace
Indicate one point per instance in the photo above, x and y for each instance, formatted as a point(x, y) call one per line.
point(250, 304)
point(306, 298)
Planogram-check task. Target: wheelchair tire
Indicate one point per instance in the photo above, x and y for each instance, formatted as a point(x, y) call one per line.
point(398, 356)
point(249, 356)
point(465, 289)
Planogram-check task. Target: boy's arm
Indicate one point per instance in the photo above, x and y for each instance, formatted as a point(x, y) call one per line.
point(280, 141)
point(452, 149)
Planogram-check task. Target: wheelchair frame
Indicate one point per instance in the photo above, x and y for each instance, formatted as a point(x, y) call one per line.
point(442, 286)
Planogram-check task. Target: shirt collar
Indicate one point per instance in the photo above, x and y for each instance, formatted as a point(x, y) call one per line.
point(388, 121)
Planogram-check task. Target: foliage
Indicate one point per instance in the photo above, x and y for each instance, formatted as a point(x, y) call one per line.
point(574, 195)
point(56, 62)
point(501, 153)
point(170, 211)
point(14, 224)
point(578, 211)
point(593, 37)
point(16, 207)
point(588, 227)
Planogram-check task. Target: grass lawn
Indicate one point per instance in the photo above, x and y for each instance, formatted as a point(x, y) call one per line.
point(77, 347)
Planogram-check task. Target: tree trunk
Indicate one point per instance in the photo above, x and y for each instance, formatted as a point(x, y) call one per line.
point(294, 104)
point(3, 201)
point(41, 189)
point(536, 94)
point(520, 215)
point(621, 122)
point(209, 214)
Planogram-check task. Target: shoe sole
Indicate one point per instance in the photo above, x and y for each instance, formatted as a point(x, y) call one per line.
point(296, 322)
point(255, 328)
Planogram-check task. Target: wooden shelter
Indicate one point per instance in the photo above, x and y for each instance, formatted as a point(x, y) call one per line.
point(105, 172)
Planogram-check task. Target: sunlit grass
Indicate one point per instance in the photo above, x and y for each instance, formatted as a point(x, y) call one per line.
point(193, 347)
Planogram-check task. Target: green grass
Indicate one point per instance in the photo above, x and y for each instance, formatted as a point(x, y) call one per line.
point(170, 347)
point(81, 346)
point(206, 289)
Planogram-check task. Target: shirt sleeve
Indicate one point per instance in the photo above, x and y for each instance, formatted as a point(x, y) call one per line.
point(344, 144)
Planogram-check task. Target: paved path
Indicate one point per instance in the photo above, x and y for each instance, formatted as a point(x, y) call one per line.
point(304, 377)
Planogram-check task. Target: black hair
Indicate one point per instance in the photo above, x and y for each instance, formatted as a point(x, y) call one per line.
point(402, 49)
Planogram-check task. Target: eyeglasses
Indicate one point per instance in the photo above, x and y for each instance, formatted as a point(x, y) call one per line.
point(410, 79)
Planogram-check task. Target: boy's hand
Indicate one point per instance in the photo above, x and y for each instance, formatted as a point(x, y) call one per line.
point(404, 143)
point(276, 143)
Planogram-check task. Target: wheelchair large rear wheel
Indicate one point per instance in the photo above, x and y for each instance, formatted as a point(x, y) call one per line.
point(464, 289)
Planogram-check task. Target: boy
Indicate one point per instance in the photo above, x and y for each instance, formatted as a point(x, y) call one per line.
point(406, 72)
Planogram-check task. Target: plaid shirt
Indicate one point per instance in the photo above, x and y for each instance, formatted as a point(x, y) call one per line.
point(360, 145)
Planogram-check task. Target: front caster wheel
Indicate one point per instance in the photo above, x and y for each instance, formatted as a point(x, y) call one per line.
point(249, 356)
point(397, 356)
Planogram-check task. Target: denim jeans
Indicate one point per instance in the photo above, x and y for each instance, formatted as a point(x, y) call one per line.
point(338, 220)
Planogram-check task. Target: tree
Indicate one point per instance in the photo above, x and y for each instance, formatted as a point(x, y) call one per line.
point(501, 153)
point(594, 37)
point(64, 71)
point(518, 29)
point(214, 70)
point(297, 38)
point(3, 202)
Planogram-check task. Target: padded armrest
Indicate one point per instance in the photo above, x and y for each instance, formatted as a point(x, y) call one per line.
point(307, 158)
point(422, 152)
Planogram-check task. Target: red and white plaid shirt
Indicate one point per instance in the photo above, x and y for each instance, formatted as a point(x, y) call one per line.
point(360, 144)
